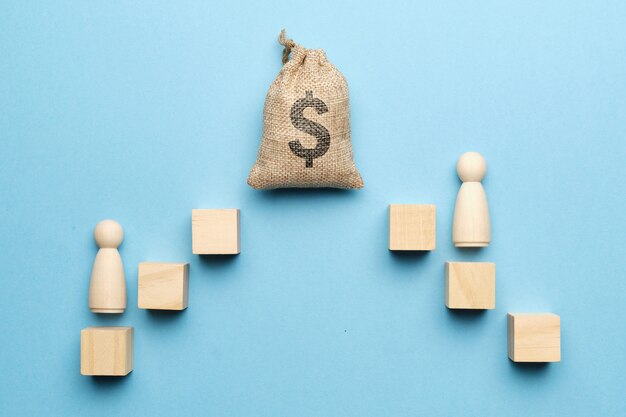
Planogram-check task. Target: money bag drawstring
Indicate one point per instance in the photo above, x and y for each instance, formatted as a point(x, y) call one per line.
point(287, 43)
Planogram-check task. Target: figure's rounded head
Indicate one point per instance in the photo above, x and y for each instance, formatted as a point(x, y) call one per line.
point(471, 167)
point(108, 234)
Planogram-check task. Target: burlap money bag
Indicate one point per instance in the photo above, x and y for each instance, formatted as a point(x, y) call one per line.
point(306, 126)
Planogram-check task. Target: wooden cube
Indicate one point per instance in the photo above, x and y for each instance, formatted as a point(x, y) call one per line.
point(163, 286)
point(471, 285)
point(106, 351)
point(215, 232)
point(534, 337)
point(412, 227)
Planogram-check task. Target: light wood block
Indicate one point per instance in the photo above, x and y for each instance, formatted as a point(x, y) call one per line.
point(163, 286)
point(471, 285)
point(215, 232)
point(412, 227)
point(534, 337)
point(106, 351)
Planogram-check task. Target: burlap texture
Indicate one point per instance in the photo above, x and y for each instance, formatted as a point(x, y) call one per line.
point(306, 126)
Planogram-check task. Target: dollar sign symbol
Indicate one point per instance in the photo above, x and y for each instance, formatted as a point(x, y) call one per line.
point(310, 127)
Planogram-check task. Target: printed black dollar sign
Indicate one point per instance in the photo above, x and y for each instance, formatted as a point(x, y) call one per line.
point(310, 127)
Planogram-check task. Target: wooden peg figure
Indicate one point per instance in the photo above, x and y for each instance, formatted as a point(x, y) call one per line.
point(471, 226)
point(107, 290)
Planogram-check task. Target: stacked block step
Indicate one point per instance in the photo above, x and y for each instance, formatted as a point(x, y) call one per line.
point(215, 232)
point(106, 351)
point(163, 286)
point(470, 285)
point(412, 227)
point(534, 337)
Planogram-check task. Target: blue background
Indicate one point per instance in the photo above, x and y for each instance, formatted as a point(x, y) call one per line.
point(141, 111)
